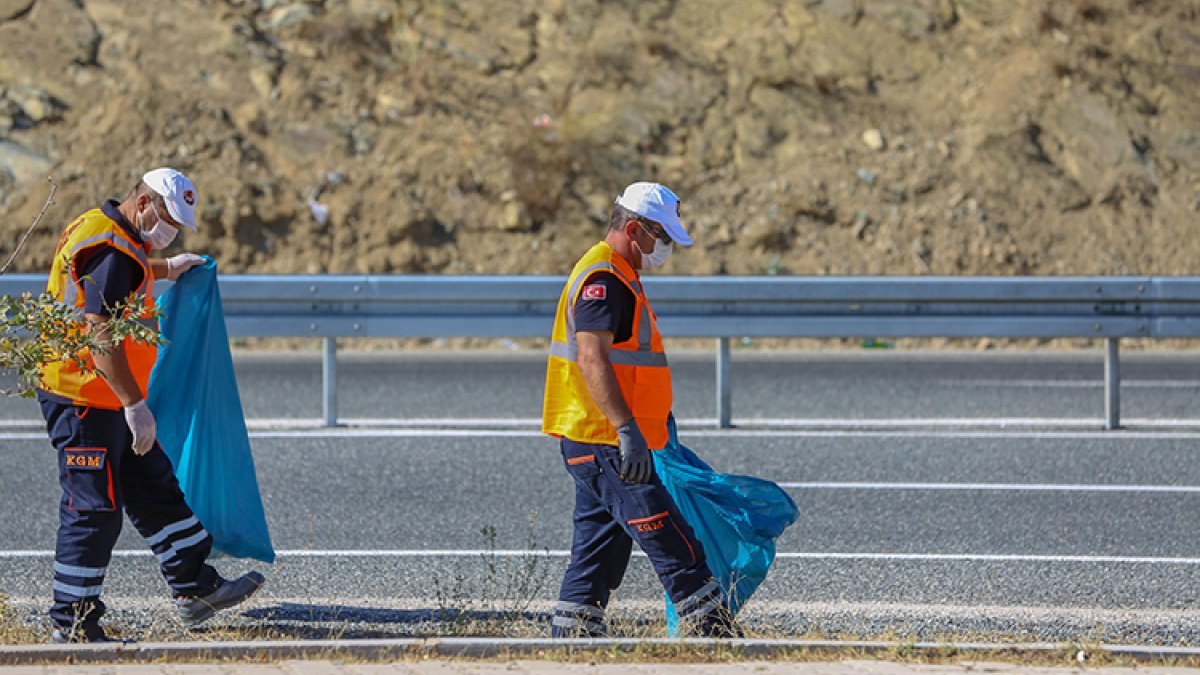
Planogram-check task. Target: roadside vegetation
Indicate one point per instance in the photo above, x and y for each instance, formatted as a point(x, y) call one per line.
point(508, 602)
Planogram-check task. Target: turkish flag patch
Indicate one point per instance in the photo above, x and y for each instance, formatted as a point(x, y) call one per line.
point(595, 292)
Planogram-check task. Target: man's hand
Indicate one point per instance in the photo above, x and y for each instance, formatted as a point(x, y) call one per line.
point(178, 264)
point(636, 465)
point(141, 423)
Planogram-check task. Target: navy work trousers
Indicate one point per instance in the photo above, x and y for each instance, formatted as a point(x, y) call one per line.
point(101, 475)
point(610, 515)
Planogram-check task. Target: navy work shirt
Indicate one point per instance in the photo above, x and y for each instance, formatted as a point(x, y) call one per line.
point(605, 303)
point(109, 275)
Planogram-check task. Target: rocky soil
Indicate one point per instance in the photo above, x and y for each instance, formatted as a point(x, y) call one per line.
point(491, 136)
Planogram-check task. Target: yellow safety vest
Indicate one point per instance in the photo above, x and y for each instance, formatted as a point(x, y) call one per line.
point(640, 364)
point(84, 236)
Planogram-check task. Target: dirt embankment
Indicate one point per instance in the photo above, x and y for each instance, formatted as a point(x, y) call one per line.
point(490, 136)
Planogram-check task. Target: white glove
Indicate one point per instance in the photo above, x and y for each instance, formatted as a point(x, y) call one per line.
point(141, 423)
point(178, 264)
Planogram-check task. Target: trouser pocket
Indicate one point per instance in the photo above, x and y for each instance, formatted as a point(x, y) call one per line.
point(86, 476)
point(667, 542)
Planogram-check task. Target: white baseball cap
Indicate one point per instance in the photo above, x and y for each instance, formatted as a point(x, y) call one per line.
point(177, 191)
point(656, 202)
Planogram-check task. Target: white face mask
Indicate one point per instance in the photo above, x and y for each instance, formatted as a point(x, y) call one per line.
point(162, 234)
point(658, 256)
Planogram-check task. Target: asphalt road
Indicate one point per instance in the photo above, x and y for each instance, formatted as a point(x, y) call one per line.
point(940, 494)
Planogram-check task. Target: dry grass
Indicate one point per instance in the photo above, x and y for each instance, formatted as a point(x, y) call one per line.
point(505, 603)
point(13, 631)
point(644, 622)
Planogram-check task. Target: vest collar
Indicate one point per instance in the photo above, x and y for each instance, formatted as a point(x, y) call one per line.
point(110, 209)
point(621, 265)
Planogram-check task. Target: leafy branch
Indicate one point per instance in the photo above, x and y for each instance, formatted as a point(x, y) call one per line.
point(35, 330)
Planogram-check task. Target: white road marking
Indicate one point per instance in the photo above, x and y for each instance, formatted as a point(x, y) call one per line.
point(989, 557)
point(936, 422)
point(787, 555)
point(322, 432)
point(688, 424)
point(1072, 384)
point(998, 487)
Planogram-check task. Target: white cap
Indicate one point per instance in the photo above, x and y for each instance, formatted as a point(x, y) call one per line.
point(177, 191)
point(656, 202)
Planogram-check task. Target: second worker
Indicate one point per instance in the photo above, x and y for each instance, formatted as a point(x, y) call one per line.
point(608, 398)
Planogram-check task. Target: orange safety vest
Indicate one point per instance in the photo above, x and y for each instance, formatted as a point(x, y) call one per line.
point(84, 236)
point(640, 364)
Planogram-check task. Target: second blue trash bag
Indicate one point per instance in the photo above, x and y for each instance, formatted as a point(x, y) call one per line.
point(201, 426)
point(735, 518)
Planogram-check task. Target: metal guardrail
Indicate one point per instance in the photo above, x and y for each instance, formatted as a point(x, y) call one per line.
point(724, 307)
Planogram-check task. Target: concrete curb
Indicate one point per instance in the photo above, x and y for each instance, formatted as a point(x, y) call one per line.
point(535, 648)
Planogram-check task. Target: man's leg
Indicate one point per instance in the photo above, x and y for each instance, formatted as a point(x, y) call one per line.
point(89, 444)
point(600, 551)
point(650, 517)
point(157, 509)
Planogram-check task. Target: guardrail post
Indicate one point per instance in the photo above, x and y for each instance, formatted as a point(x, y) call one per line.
point(1112, 384)
point(724, 395)
point(329, 381)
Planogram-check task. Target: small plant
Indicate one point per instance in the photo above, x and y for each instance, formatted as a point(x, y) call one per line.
point(451, 597)
point(516, 582)
point(500, 602)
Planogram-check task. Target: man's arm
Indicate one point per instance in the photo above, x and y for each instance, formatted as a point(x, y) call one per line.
point(159, 267)
point(598, 373)
point(597, 370)
point(114, 368)
point(112, 364)
point(174, 267)
point(108, 277)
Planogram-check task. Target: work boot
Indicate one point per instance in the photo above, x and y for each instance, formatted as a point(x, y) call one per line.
point(578, 630)
point(91, 633)
point(195, 611)
point(576, 620)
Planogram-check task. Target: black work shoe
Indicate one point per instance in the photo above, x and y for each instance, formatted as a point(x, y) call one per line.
point(195, 611)
point(91, 633)
point(721, 627)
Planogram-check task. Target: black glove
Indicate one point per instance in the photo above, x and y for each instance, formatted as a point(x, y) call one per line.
point(636, 465)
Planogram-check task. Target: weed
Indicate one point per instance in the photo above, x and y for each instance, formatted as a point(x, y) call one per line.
point(500, 602)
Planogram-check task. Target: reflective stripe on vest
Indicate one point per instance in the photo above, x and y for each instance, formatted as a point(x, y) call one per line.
point(63, 377)
point(121, 243)
point(643, 356)
point(639, 363)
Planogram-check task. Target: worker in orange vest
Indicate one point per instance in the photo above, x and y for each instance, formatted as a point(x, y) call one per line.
point(95, 409)
point(608, 397)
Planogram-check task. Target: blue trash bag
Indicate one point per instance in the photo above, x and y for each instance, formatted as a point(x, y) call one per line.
point(735, 518)
point(201, 427)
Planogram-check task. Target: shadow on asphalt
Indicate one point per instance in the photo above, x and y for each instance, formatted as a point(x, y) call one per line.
point(325, 622)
